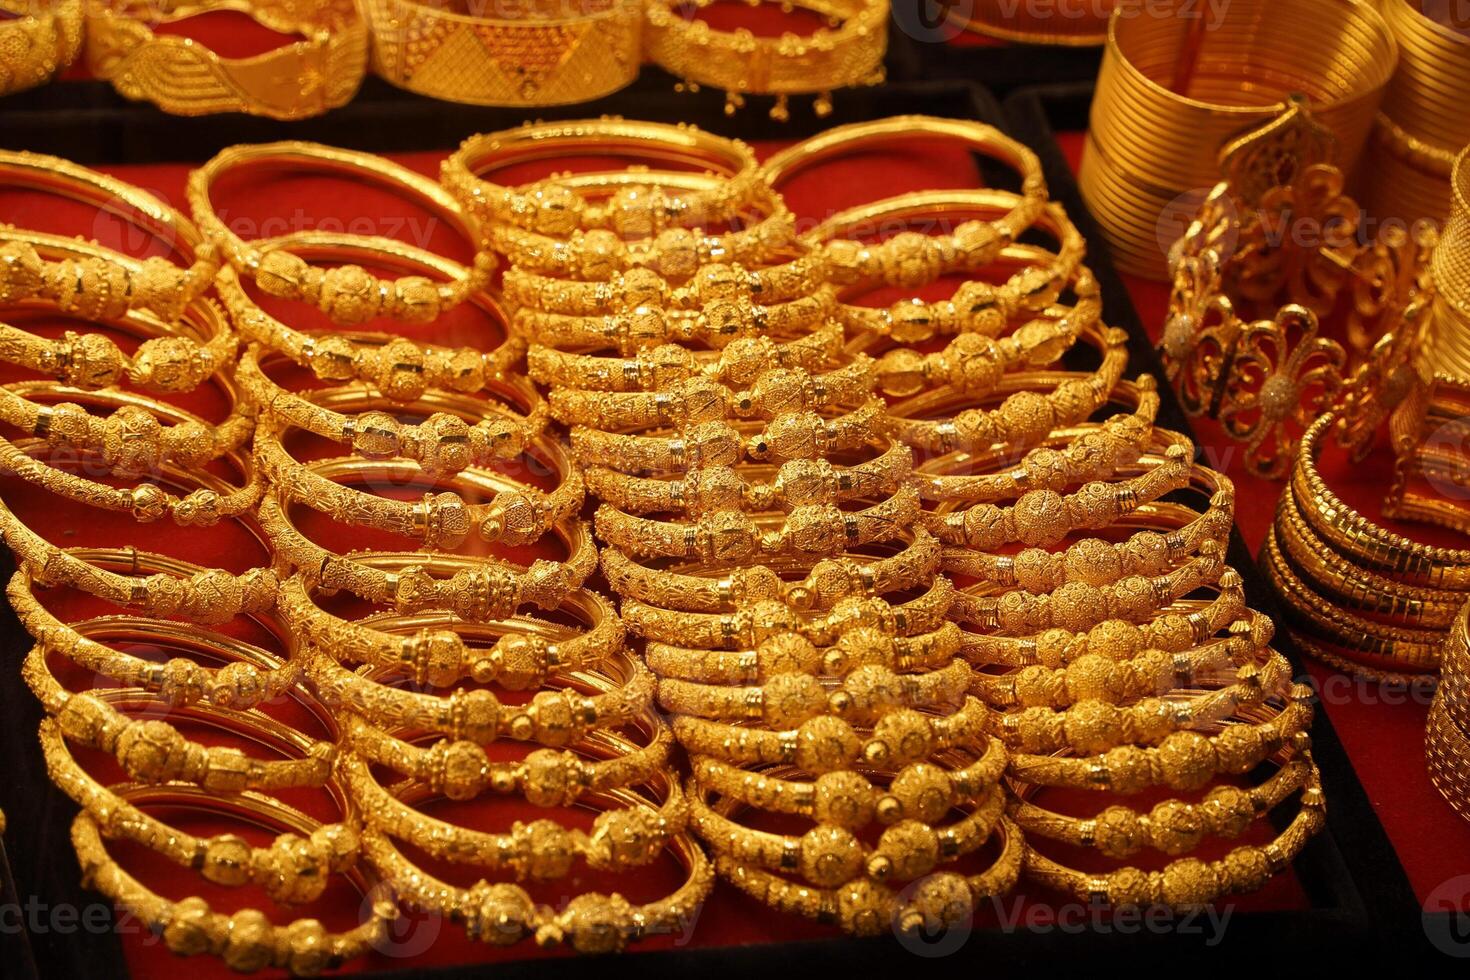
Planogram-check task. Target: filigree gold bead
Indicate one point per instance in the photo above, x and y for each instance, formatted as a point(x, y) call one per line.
point(1130, 887)
point(69, 425)
point(746, 358)
point(298, 872)
point(713, 488)
point(796, 435)
point(132, 441)
point(825, 743)
point(480, 716)
point(518, 662)
point(939, 901)
point(634, 211)
point(907, 850)
point(843, 799)
point(1093, 561)
point(1115, 639)
point(1239, 748)
point(1040, 517)
point(1186, 760)
point(549, 852)
point(598, 253)
point(627, 838)
point(676, 253)
point(986, 527)
point(22, 272)
point(214, 596)
point(713, 444)
point(90, 360)
point(338, 843)
point(226, 861)
point(555, 209)
point(1119, 832)
point(549, 778)
point(910, 259)
point(1153, 720)
point(1077, 606)
point(416, 299)
point(165, 594)
point(1025, 416)
point(769, 618)
point(443, 444)
point(787, 652)
point(830, 580)
point(1093, 677)
point(348, 294)
point(458, 769)
point(191, 444)
point(1244, 869)
point(1189, 883)
point(1229, 809)
point(187, 930)
point(182, 681)
point(1093, 726)
point(899, 738)
point(1133, 597)
point(283, 274)
point(1072, 399)
point(308, 948)
point(974, 363)
point(1054, 646)
point(790, 699)
point(1128, 769)
point(1020, 615)
point(830, 856)
point(815, 530)
point(727, 536)
point(238, 685)
point(377, 435)
point(902, 372)
point(169, 364)
point(501, 913)
point(873, 688)
point(922, 792)
point(862, 907)
point(598, 923)
point(399, 373)
point(1177, 827)
point(718, 280)
point(149, 502)
point(464, 370)
point(554, 717)
point(248, 946)
point(333, 357)
point(756, 583)
point(1033, 568)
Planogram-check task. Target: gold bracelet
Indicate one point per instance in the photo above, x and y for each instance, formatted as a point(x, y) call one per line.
point(293, 870)
point(787, 700)
point(848, 52)
point(91, 286)
point(790, 652)
point(864, 907)
point(461, 770)
point(503, 913)
point(826, 744)
point(828, 856)
point(246, 940)
point(41, 43)
point(347, 294)
point(552, 207)
point(825, 584)
point(182, 76)
point(556, 716)
point(1445, 750)
point(401, 368)
point(460, 430)
point(554, 55)
point(921, 791)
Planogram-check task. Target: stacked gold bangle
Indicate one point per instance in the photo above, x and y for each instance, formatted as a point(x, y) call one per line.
point(1448, 349)
point(1174, 91)
point(1445, 741)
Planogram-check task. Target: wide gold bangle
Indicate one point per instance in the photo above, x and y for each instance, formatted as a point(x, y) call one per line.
point(554, 207)
point(347, 294)
point(548, 56)
point(503, 913)
point(828, 856)
point(182, 76)
point(1446, 749)
point(855, 798)
point(865, 907)
point(40, 42)
point(246, 940)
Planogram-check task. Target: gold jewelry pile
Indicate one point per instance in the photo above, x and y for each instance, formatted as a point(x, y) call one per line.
point(894, 571)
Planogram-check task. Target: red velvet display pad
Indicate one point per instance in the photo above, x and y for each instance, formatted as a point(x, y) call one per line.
point(1382, 730)
point(303, 201)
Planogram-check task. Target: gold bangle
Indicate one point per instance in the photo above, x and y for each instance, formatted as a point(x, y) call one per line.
point(503, 913)
point(553, 207)
point(477, 589)
point(829, 857)
point(181, 76)
point(922, 791)
point(849, 52)
point(548, 58)
point(825, 743)
point(557, 715)
point(825, 584)
point(1078, 26)
point(461, 770)
point(868, 908)
point(245, 940)
point(789, 652)
point(434, 654)
point(787, 700)
point(1445, 749)
point(41, 43)
point(347, 294)
point(91, 286)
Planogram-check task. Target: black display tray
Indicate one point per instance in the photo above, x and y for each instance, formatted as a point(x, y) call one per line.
point(1337, 930)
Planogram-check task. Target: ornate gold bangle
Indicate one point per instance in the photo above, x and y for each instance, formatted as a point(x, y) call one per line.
point(812, 531)
point(551, 207)
point(556, 55)
point(750, 625)
point(459, 431)
point(1172, 827)
point(432, 653)
point(825, 583)
point(503, 913)
point(865, 907)
point(849, 52)
point(1445, 750)
point(348, 294)
point(401, 368)
point(797, 483)
point(790, 652)
point(1183, 625)
point(557, 715)
point(826, 744)
point(787, 700)
point(851, 799)
point(182, 76)
point(461, 770)
point(619, 838)
point(1026, 416)
point(92, 286)
point(740, 363)
point(1189, 882)
point(829, 856)
point(293, 870)
point(477, 589)
point(42, 43)
point(246, 940)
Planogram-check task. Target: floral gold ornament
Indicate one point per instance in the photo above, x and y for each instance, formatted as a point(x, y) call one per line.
point(39, 41)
